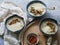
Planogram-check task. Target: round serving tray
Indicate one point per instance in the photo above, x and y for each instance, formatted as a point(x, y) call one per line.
point(33, 27)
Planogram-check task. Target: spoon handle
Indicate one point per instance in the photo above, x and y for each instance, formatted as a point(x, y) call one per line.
point(49, 40)
point(51, 8)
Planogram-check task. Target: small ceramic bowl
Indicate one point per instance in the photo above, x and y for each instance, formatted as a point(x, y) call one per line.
point(32, 2)
point(30, 37)
point(15, 15)
point(47, 19)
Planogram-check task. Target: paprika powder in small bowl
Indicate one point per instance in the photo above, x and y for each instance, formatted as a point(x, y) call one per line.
point(32, 39)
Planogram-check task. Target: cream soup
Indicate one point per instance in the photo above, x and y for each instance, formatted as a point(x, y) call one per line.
point(15, 24)
point(49, 27)
point(37, 9)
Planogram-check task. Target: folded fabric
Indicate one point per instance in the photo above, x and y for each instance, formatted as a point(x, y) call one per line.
point(3, 13)
point(10, 40)
point(2, 28)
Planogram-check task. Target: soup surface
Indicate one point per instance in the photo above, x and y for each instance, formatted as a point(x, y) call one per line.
point(37, 9)
point(49, 27)
point(15, 24)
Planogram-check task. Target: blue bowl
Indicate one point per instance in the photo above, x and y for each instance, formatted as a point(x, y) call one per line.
point(32, 3)
point(12, 17)
point(47, 19)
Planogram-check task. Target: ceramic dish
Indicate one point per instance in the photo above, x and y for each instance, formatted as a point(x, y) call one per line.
point(36, 8)
point(15, 22)
point(49, 26)
point(32, 39)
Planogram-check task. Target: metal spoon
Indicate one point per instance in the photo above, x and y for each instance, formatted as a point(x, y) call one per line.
point(49, 40)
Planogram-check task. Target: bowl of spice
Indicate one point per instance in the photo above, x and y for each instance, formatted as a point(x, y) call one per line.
point(32, 39)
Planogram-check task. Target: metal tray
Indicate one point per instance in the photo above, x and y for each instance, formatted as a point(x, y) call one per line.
point(33, 27)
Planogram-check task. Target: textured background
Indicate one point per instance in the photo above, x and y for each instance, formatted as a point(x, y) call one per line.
point(50, 13)
point(50, 3)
